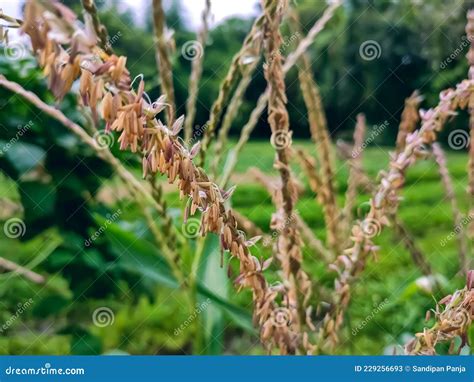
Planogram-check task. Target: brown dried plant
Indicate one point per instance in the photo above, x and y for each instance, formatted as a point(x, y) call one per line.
point(290, 61)
point(196, 73)
point(355, 164)
point(385, 203)
point(106, 81)
point(470, 171)
point(249, 49)
point(447, 182)
point(321, 138)
point(163, 60)
point(452, 321)
point(410, 119)
point(287, 247)
point(66, 52)
point(362, 180)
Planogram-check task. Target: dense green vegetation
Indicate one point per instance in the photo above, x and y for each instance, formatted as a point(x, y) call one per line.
point(65, 195)
point(144, 323)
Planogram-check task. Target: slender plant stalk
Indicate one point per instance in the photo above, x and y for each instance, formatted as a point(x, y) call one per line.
point(165, 71)
point(355, 163)
point(163, 60)
point(452, 322)
point(320, 135)
point(234, 73)
point(306, 232)
point(263, 99)
point(288, 244)
point(409, 120)
point(99, 28)
point(385, 202)
point(402, 233)
point(231, 113)
point(128, 113)
point(196, 73)
point(448, 186)
point(22, 271)
point(470, 166)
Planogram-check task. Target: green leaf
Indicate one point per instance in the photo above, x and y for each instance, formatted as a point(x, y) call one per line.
point(213, 277)
point(23, 156)
point(38, 200)
point(139, 256)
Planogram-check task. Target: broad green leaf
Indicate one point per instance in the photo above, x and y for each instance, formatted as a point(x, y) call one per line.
point(139, 256)
point(212, 277)
point(23, 156)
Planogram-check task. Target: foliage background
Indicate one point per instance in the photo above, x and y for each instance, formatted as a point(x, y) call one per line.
point(64, 193)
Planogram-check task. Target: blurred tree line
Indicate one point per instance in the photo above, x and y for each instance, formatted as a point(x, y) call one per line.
point(57, 179)
point(422, 46)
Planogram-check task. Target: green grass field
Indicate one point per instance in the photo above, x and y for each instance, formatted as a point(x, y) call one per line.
point(388, 302)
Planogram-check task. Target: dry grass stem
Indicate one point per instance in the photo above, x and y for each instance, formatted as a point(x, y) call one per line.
point(99, 28)
point(355, 164)
point(452, 322)
point(290, 61)
point(448, 186)
point(22, 271)
point(401, 231)
point(409, 120)
point(127, 112)
point(162, 47)
point(231, 113)
point(320, 136)
point(196, 73)
point(385, 202)
point(245, 56)
point(287, 247)
point(306, 232)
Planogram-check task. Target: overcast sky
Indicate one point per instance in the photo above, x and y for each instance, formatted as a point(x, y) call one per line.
point(221, 9)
